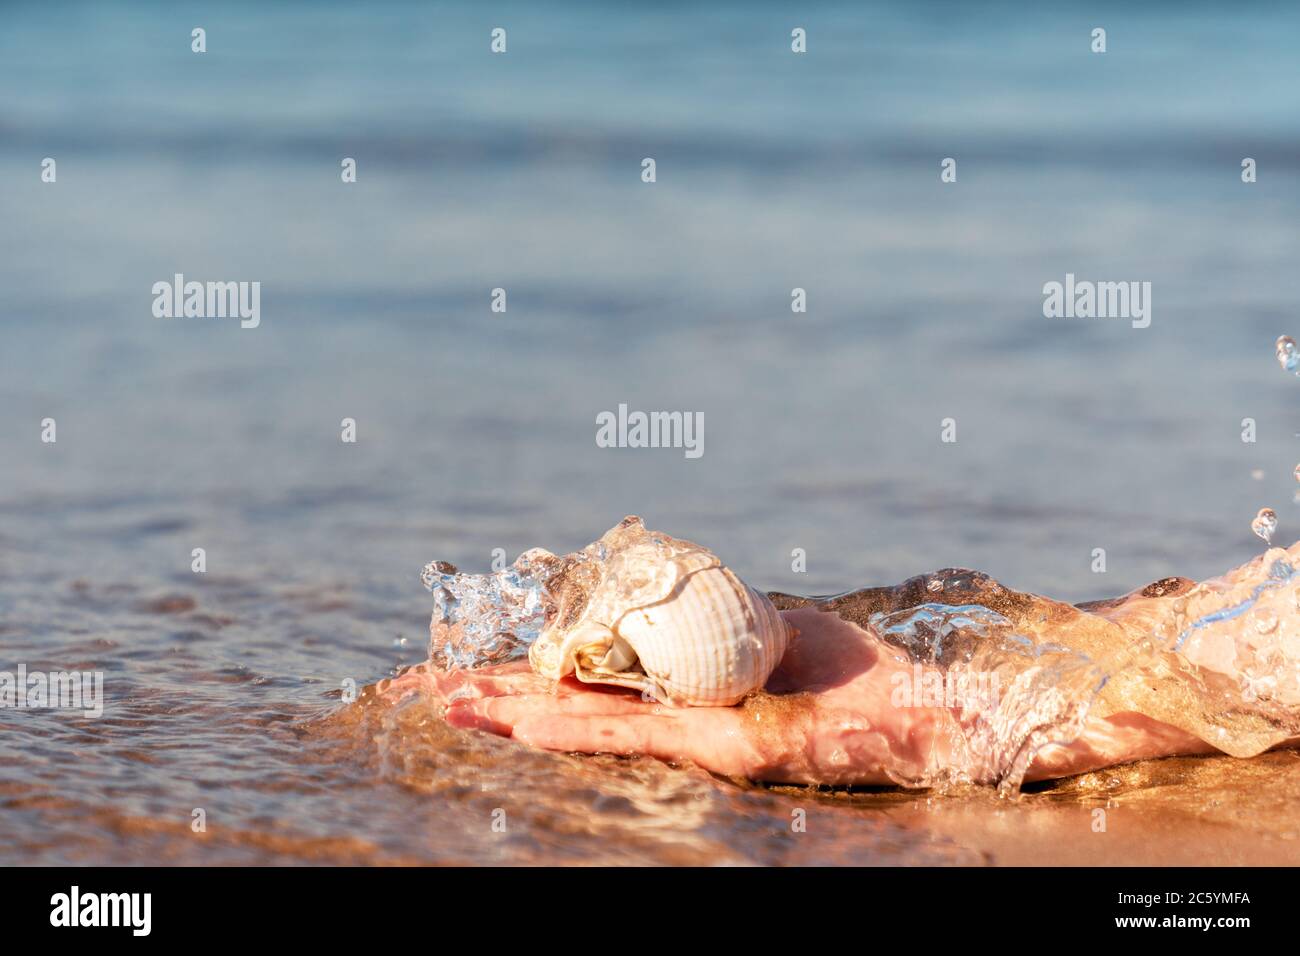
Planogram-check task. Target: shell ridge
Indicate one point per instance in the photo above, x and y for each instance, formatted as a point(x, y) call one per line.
point(703, 640)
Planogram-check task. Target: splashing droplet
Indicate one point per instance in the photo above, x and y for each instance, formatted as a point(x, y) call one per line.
point(1265, 524)
point(1287, 354)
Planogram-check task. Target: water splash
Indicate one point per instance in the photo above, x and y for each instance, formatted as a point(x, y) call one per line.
point(481, 619)
point(1219, 660)
point(1027, 693)
point(1265, 657)
point(1280, 573)
point(936, 633)
point(1265, 524)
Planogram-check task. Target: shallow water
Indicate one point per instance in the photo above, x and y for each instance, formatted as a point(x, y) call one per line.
point(202, 714)
point(476, 431)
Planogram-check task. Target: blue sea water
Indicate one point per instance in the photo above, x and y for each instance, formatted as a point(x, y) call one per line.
point(522, 171)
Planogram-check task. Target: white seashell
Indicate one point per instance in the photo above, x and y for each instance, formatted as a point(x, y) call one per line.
point(664, 616)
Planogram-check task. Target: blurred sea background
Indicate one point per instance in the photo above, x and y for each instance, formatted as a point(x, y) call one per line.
point(476, 430)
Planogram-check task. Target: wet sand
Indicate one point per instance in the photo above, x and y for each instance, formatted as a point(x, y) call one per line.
point(1178, 811)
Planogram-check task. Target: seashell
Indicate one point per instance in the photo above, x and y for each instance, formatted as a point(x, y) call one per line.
point(664, 616)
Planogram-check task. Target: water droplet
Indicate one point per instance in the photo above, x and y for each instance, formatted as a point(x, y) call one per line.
point(1258, 474)
point(1265, 524)
point(1287, 354)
